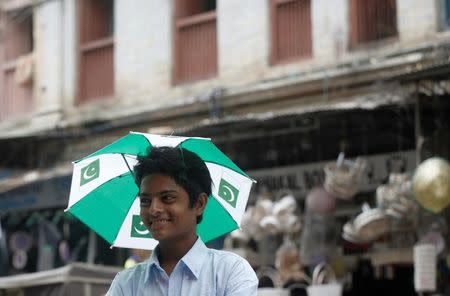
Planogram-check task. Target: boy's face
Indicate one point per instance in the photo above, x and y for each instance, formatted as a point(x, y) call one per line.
point(165, 209)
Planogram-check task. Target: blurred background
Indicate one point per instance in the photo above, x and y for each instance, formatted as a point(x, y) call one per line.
point(293, 91)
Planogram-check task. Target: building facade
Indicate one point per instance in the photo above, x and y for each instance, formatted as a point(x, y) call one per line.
point(275, 83)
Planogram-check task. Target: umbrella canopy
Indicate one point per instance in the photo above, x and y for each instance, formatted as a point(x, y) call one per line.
point(103, 193)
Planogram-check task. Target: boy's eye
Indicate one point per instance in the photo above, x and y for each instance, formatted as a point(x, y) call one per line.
point(144, 201)
point(168, 198)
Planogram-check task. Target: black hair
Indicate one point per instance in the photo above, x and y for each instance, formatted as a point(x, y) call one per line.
point(186, 168)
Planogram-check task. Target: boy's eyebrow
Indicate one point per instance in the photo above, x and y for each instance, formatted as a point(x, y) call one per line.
point(157, 193)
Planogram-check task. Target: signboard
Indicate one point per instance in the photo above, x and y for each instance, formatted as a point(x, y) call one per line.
point(300, 179)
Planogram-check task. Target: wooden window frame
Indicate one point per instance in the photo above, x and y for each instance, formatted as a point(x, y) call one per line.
point(356, 41)
point(181, 22)
point(275, 56)
point(85, 47)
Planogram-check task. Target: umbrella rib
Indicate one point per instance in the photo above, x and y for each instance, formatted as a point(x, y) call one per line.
point(128, 166)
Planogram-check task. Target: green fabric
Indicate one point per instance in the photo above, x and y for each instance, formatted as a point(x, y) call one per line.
point(105, 208)
point(210, 153)
point(219, 221)
point(133, 144)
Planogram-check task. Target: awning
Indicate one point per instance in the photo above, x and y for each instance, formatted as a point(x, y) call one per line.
point(19, 179)
point(369, 101)
point(35, 189)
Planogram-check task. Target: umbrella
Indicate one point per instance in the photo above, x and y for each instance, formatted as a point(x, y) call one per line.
point(103, 193)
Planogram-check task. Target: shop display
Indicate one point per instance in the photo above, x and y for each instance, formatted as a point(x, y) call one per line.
point(324, 282)
point(288, 263)
point(343, 177)
point(396, 198)
point(320, 201)
point(431, 184)
point(318, 241)
point(388, 223)
point(425, 268)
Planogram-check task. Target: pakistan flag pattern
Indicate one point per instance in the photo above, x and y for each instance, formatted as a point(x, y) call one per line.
point(228, 192)
point(138, 228)
point(90, 172)
point(104, 192)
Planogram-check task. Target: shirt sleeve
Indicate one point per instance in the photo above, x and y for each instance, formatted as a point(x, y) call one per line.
point(242, 280)
point(115, 289)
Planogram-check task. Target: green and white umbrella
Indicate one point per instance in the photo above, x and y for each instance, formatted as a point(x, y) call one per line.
point(103, 194)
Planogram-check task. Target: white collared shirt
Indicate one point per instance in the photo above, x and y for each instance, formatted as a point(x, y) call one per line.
point(202, 271)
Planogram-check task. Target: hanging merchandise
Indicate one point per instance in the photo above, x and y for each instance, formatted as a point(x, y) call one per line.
point(288, 263)
point(368, 226)
point(318, 239)
point(425, 265)
point(396, 197)
point(343, 177)
point(284, 212)
point(63, 246)
point(324, 282)
point(252, 217)
point(48, 239)
point(431, 184)
point(433, 229)
point(19, 259)
point(320, 201)
point(20, 241)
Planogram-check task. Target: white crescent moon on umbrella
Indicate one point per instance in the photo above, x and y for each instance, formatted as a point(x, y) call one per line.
point(141, 232)
point(231, 192)
point(86, 174)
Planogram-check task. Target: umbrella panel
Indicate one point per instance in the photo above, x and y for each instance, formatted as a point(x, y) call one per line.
point(118, 195)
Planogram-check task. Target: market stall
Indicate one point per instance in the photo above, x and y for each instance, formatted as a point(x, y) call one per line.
point(395, 238)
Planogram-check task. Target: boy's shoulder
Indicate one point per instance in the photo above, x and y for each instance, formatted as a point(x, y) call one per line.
point(228, 258)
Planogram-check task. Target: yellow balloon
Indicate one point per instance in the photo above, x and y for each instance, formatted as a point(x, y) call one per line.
point(431, 184)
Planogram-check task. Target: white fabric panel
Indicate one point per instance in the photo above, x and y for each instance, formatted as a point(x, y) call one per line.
point(124, 239)
point(110, 166)
point(240, 182)
point(161, 140)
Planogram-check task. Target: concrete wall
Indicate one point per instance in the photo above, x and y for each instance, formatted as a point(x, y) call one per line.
point(143, 51)
point(48, 50)
point(243, 39)
point(417, 19)
point(70, 58)
point(330, 27)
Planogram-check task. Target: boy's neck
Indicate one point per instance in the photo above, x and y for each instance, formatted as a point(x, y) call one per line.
point(169, 253)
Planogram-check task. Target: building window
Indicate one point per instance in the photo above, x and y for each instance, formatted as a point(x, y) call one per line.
point(445, 14)
point(17, 64)
point(372, 20)
point(195, 40)
point(290, 30)
point(96, 50)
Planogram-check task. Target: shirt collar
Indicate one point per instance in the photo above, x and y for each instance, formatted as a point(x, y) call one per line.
point(193, 259)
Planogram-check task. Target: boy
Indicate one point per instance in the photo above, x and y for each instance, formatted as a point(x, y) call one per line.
point(174, 185)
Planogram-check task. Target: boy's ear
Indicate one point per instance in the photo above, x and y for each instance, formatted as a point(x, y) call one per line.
point(201, 203)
